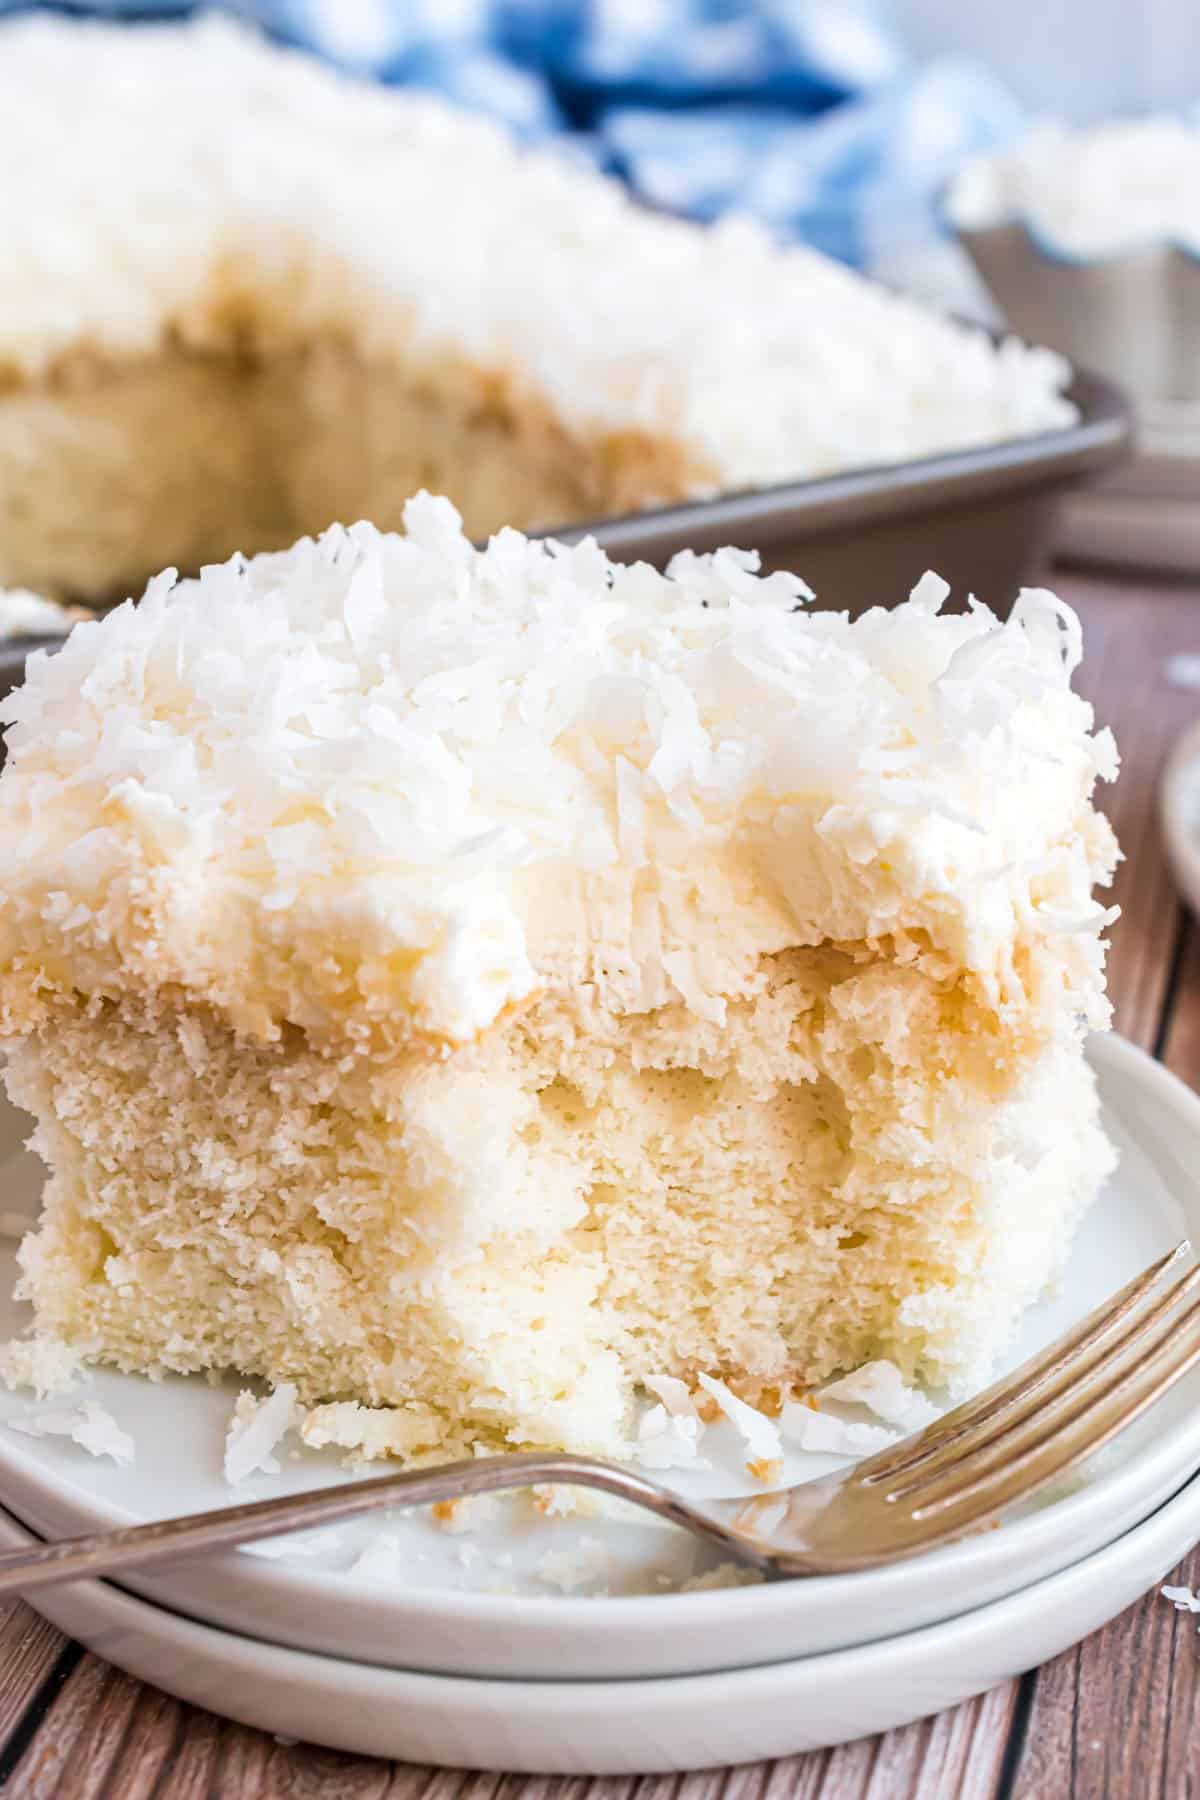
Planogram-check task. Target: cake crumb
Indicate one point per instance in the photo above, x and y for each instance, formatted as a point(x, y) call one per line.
point(45, 1364)
point(374, 1431)
point(555, 1500)
point(255, 1430)
point(766, 1397)
point(725, 1575)
point(571, 1569)
point(767, 1469)
point(468, 1512)
point(551, 1502)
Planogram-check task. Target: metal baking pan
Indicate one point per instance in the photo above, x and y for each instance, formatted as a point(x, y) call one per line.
point(981, 518)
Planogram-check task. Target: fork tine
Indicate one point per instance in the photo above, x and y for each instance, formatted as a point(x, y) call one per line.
point(977, 1505)
point(1077, 1425)
point(1031, 1378)
point(1004, 1432)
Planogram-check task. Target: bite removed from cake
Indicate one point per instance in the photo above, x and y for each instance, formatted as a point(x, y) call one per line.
point(465, 983)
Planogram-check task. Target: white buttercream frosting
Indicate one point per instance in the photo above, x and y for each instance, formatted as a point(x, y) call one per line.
point(379, 785)
point(195, 185)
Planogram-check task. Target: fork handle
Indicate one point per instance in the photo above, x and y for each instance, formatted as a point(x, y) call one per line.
point(132, 1546)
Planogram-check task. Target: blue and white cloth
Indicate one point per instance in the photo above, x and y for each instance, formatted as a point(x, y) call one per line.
point(809, 113)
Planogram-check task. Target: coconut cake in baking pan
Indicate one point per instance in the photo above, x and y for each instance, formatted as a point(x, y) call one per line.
point(244, 296)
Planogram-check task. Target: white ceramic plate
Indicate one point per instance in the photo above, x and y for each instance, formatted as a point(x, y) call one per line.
point(621, 1727)
point(1179, 804)
point(427, 1610)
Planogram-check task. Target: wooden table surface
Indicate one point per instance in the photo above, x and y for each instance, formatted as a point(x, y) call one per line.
point(1114, 1719)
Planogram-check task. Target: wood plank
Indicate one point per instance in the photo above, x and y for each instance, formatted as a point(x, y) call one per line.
point(29, 1650)
point(251, 1764)
point(956, 1755)
point(80, 1733)
point(1117, 1716)
point(108, 1737)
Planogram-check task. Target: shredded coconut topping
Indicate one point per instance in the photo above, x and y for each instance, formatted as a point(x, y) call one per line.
point(822, 1434)
point(675, 1395)
point(669, 1440)
point(880, 1387)
point(256, 1430)
point(90, 1426)
point(760, 1435)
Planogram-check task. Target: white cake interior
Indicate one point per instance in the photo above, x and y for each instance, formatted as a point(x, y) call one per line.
point(112, 470)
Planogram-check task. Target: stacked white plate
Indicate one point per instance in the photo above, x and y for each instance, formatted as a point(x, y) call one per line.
point(430, 1645)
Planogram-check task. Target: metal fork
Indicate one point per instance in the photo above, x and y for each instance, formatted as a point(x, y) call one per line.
point(943, 1483)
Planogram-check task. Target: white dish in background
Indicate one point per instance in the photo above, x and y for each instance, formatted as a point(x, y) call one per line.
point(1127, 306)
point(1179, 806)
point(621, 1727)
point(421, 1607)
